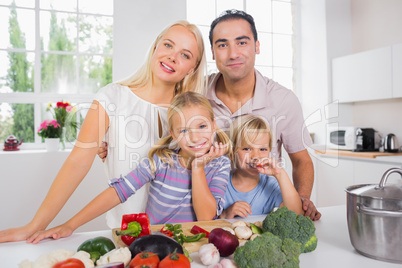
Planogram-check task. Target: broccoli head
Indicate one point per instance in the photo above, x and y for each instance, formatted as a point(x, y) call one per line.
point(311, 244)
point(268, 250)
point(286, 224)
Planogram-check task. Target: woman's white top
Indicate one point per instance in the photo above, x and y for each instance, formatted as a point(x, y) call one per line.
point(133, 129)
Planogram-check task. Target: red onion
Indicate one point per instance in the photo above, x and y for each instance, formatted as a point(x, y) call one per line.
point(224, 241)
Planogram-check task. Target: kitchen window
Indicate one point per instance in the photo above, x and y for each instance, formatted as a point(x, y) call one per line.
point(274, 21)
point(50, 51)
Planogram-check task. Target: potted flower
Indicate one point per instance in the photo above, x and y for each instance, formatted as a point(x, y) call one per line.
point(64, 113)
point(49, 130)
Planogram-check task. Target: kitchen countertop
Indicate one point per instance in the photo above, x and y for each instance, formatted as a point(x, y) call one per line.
point(393, 158)
point(334, 248)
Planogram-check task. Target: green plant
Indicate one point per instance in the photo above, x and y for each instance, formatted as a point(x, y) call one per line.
point(63, 113)
point(49, 129)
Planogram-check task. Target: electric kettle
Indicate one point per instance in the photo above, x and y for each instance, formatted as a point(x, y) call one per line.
point(391, 143)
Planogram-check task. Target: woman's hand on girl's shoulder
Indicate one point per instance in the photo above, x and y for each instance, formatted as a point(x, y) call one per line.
point(216, 151)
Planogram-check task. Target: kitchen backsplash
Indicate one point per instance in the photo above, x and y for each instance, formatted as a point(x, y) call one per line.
point(384, 116)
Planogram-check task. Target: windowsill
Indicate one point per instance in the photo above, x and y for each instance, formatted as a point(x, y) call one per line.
point(33, 151)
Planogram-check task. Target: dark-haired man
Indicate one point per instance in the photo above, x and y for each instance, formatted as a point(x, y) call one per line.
point(240, 89)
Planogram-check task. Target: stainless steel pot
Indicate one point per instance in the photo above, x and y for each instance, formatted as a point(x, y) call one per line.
point(374, 214)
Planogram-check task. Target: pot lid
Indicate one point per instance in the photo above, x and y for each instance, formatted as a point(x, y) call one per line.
point(381, 191)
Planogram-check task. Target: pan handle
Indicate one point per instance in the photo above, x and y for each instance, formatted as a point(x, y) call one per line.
point(386, 174)
point(377, 212)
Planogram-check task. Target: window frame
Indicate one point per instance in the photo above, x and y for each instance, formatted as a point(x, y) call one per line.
point(38, 98)
point(295, 60)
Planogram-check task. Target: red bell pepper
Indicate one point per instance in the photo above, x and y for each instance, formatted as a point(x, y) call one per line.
point(164, 230)
point(197, 230)
point(134, 226)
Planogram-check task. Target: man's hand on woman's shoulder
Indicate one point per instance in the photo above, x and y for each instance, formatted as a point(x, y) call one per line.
point(102, 151)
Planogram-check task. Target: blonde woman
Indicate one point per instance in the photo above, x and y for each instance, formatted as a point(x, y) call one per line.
point(258, 183)
point(187, 171)
point(130, 116)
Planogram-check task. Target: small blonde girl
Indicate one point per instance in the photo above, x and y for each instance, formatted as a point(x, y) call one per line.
point(258, 183)
point(187, 171)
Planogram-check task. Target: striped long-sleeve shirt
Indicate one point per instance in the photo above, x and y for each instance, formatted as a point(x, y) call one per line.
point(170, 193)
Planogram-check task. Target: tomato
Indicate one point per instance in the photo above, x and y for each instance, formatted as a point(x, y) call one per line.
point(69, 263)
point(145, 258)
point(175, 260)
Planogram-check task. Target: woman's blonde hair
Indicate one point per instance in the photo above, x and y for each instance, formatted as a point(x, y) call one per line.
point(165, 148)
point(248, 128)
point(195, 81)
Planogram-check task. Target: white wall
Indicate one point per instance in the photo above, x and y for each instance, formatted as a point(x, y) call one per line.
point(136, 25)
point(377, 23)
point(25, 179)
point(334, 28)
point(324, 32)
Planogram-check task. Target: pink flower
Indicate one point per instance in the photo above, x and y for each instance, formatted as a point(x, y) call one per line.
point(69, 108)
point(54, 123)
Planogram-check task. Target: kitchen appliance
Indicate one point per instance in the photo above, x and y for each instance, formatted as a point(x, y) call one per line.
point(374, 216)
point(367, 140)
point(342, 138)
point(391, 143)
point(12, 143)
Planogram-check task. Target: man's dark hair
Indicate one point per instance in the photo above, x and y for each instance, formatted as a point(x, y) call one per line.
point(233, 14)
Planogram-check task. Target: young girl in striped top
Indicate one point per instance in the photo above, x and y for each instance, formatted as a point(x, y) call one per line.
point(188, 172)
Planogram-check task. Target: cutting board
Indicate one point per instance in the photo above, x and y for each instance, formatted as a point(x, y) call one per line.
point(186, 227)
point(356, 154)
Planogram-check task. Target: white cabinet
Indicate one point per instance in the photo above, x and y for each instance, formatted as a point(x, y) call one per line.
point(333, 177)
point(397, 70)
point(369, 173)
point(331, 182)
point(363, 76)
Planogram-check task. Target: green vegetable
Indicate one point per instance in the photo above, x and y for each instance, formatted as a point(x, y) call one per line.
point(177, 234)
point(192, 238)
point(286, 224)
point(187, 254)
point(311, 244)
point(255, 229)
point(133, 229)
point(96, 247)
point(268, 250)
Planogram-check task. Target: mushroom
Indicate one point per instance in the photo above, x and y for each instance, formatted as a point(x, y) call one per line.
point(243, 232)
point(254, 236)
point(238, 223)
point(230, 230)
point(258, 224)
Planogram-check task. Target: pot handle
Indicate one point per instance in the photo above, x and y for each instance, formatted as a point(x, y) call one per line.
point(386, 174)
point(376, 212)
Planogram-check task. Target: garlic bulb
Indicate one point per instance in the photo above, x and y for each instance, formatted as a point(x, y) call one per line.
point(209, 254)
point(228, 263)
